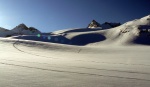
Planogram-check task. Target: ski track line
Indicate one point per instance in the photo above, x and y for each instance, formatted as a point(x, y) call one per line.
point(81, 67)
point(71, 72)
point(76, 60)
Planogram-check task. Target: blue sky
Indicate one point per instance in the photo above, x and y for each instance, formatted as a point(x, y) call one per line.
point(51, 15)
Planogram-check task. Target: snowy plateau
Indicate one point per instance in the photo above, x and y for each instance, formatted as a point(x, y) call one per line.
point(96, 56)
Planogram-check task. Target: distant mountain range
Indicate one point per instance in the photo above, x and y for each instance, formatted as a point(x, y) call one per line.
point(133, 32)
point(20, 29)
point(24, 30)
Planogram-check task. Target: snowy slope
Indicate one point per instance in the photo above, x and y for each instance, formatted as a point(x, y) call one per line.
point(36, 64)
point(132, 32)
point(129, 33)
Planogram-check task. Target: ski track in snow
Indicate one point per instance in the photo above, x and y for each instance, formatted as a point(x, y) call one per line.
point(14, 45)
point(55, 68)
point(11, 64)
point(74, 72)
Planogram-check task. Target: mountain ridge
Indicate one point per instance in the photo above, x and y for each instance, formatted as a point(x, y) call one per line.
point(132, 32)
point(20, 29)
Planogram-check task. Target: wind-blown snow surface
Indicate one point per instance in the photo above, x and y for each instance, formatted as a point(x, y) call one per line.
point(116, 57)
point(40, 64)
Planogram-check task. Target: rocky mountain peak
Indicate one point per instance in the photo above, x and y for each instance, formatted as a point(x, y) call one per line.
point(94, 24)
point(22, 26)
